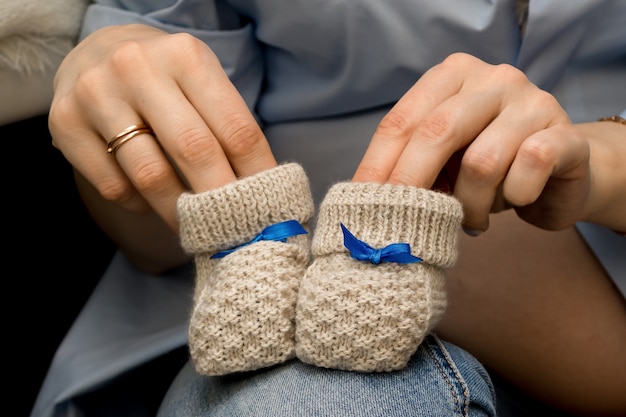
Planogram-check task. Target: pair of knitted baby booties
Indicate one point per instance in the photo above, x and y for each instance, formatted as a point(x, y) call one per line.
point(374, 289)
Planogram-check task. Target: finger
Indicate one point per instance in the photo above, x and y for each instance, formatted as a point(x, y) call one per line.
point(155, 97)
point(85, 150)
point(449, 127)
point(549, 153)
point(213, 148)
point(186, 138)
point(144, 93)
point(487, 161)
point(210, 92)
point(143, 168)
point(227, 114)
point(446, 180)
point(397, 127)
point(151, 173)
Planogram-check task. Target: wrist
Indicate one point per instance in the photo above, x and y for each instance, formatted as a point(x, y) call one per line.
point(607, 199)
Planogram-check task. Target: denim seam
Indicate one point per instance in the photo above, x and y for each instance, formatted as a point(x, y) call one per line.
point(461, 410)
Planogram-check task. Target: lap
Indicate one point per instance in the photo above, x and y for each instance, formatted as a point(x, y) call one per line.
point(440, 380)
point(539, 308)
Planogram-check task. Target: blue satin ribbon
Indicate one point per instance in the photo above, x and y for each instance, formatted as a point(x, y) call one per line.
point(361, 251)
point(278, 232)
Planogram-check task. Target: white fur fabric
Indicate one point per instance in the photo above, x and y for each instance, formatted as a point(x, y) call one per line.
point(35, 34)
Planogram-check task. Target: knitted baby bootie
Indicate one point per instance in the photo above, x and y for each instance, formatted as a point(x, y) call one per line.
point(251, 250)
point(376, 285)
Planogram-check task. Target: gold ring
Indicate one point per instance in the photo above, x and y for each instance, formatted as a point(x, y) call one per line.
point(126, 135)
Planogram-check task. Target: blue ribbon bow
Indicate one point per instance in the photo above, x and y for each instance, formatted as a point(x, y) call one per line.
point(361, 251)
point(278, 232)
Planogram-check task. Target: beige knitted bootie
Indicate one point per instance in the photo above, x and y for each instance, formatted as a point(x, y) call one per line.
point(369, 307)
point(251, 249)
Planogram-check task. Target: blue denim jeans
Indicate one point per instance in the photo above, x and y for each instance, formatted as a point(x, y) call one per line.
point(440, 380)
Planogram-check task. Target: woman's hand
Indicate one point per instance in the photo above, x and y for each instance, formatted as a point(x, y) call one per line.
point(204, 134)
point(492, 137)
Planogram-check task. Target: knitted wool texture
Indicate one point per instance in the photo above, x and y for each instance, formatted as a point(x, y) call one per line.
point(244, 303)
point(358, 316)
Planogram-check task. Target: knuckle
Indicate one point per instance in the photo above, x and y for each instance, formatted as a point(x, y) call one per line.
point(516, 199)
point(537, 153)
point(87, 82)
point(151, 177)
point(481, 166)
point(125, 58)
point(114, 191)
point(65, 122)
point(189, 44)
point(435, 127)
point(394, 124)
point(509, 75)
point(194, 146)
point(61, 110)
point(549, 104)
point(193, 51)
point(60, 106)
point(457, 59)
point(240, 136)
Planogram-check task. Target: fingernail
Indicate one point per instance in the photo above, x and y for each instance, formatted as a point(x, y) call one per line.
point(472, 232)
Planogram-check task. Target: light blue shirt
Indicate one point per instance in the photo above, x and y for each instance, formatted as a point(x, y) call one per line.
point(321, 58)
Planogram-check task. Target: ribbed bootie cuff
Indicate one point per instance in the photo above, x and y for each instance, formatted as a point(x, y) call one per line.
point(234, 214)
point(382, 214)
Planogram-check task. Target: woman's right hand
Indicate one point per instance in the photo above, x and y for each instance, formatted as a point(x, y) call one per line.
point(204, 134)
point(500, 143)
